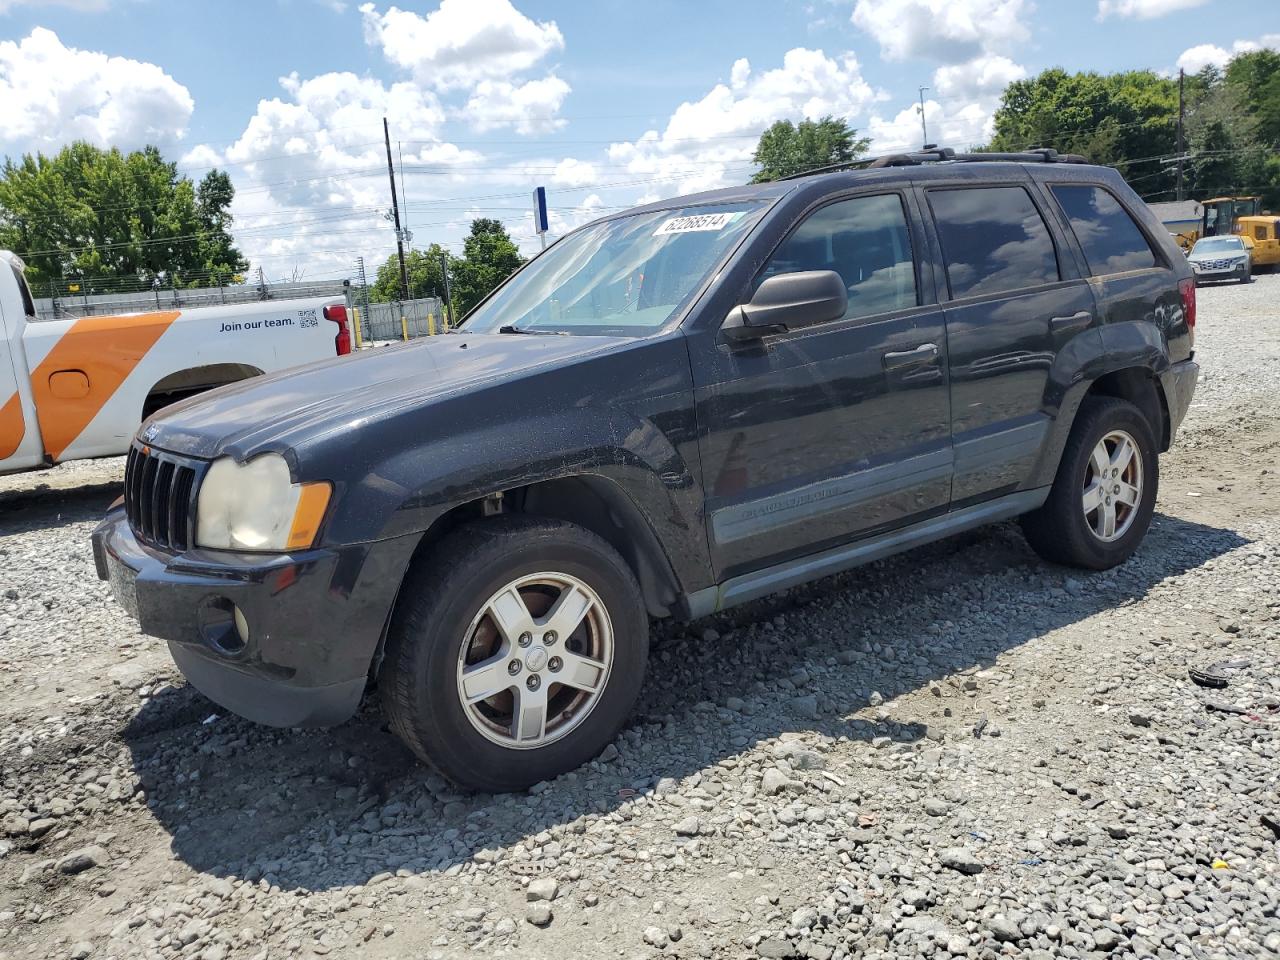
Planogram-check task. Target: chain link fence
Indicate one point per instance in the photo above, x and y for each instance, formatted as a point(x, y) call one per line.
point(401, 319)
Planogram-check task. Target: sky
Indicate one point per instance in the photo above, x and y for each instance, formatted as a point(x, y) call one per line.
point(606, 103)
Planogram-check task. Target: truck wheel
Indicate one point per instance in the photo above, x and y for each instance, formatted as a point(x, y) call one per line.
point(516, 652)
point(1103, 496)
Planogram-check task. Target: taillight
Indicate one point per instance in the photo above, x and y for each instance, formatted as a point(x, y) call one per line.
point(338, 314)
point(1187, 288)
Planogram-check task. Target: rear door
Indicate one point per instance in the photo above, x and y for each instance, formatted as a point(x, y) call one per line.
point(1016, 297)
point(820, 435)
point(1131, 281)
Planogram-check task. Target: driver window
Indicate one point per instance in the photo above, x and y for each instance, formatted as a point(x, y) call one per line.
point(866, 241)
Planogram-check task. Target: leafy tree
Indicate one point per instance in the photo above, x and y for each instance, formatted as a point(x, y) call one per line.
point(1122, 119)
point(115, 221)
point(1256, 79)
point(489, 256)
point(426, 278)
point(787, 148)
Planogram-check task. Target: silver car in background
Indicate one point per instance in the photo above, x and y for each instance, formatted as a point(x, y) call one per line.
point(1221, 258)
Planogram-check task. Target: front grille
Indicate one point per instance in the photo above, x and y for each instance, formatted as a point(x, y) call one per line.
point(159, 498)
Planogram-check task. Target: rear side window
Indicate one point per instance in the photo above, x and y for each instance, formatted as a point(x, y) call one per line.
point(1111, 241)
point(993, 239)
point(866, 241)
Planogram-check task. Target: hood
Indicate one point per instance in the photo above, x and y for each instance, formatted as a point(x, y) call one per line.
point(274, 412)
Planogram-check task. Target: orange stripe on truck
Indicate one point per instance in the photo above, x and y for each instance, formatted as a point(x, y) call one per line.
point(106, 350)
point(12, 426)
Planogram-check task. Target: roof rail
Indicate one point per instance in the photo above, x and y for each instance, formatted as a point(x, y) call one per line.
point(943, 155)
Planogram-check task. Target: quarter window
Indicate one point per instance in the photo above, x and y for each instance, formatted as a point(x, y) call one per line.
point(994, 240)
point(866, 241)
point(28, 305)
point(1111, 241)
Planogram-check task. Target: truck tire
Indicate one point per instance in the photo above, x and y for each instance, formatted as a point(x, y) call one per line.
point(1086, 522)
point(516, 652)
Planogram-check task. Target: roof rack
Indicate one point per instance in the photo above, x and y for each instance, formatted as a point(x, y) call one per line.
point(942, 155)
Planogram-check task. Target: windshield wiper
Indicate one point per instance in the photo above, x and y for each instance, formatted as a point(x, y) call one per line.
point(512, 328)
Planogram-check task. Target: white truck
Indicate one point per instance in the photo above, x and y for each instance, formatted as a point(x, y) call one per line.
point(78, 388)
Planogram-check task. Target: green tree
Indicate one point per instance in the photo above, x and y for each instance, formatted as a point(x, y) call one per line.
point(489, 256)
point(426, 278)
point(114, 221)
point(1125, 119)
point(787, 148)
point(1256, 79)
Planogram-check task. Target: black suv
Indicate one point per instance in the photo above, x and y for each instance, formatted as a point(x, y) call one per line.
point(669, 411)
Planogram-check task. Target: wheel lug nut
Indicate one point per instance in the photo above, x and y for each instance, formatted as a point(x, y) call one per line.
point(514, 667)
point(525, 639)
point(549, 637)
point(534, 681)
point(554, 664)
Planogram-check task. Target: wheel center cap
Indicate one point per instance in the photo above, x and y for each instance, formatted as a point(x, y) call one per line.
point(536, 658)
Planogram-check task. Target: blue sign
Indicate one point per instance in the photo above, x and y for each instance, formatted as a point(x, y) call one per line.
point(540, 210)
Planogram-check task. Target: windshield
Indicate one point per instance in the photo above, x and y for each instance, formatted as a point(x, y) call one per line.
point(1217, 245)
point(622, 277)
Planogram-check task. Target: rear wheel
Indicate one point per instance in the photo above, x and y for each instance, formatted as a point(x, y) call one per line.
point(1103, 496)
point(516, 653)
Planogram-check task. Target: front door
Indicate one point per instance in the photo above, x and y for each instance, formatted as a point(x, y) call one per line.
point(818, 436)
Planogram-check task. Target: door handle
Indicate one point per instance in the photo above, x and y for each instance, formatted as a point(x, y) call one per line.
point(925, 353)
point(1077, 321)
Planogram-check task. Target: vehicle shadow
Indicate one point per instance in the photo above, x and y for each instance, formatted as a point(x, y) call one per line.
point(314, 810)
point(45, 508)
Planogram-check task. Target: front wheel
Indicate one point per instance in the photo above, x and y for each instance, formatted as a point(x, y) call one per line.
point(516, 652)
point(1104, 494)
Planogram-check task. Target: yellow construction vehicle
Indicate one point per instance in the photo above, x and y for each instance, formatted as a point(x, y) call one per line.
point(1189, 221)
point(1262, 235)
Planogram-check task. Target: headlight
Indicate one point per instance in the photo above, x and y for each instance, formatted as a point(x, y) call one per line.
point(256, 506)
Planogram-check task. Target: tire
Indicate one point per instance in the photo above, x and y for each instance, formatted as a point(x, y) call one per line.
point(1061, 531)
point(445, 607)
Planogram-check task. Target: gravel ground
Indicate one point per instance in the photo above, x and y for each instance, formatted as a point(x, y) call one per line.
point(960, 751)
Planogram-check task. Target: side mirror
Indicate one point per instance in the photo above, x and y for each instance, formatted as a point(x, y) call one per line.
point(789, 301)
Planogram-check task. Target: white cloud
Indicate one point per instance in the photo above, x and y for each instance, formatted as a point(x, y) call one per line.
point(53, 94)
point(462, 42)
point(571, 172)
point(1203, 55)
point(83, 6)
point(529, 107)
point(480, 46)
point(951, 31)
point(1144, 9)
point(310, 168)
point(957, 128)
point(982, 76)
point(703, 139)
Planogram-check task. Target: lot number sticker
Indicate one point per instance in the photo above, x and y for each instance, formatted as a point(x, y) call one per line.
point(703, 221)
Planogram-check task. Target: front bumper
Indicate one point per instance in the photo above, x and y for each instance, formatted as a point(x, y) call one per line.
point(1179, 385)
point(314, 619)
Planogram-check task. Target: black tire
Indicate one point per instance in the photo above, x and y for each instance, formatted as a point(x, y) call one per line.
point(444, 592)
point(1059, 530)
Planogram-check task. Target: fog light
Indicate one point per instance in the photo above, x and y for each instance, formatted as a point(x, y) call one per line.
point(242, 625)
point(222, 625)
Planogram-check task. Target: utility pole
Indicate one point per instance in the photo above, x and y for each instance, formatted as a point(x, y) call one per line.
point(395, 206)
point(924, 128)
point(1181, 111)
point(448, 297)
